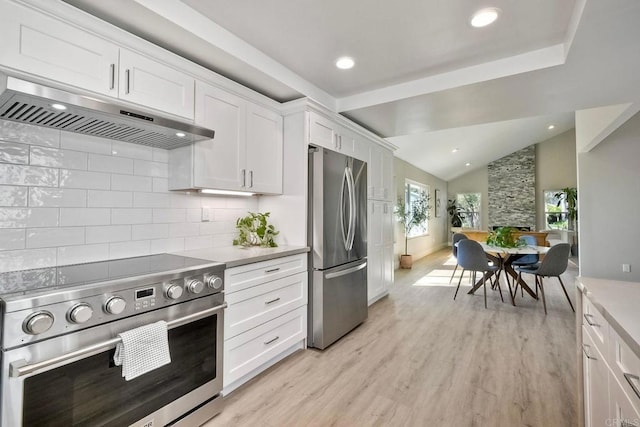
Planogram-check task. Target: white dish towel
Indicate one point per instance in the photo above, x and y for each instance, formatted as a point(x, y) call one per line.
point(142, 350)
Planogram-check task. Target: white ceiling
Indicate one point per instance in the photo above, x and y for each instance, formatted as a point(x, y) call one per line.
point(423, 76)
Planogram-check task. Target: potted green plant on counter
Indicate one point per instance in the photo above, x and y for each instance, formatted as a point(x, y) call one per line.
point(504, 237)
point(410, 216)
point(254, 230)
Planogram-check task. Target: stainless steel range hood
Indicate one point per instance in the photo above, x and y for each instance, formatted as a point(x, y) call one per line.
point(31, 103)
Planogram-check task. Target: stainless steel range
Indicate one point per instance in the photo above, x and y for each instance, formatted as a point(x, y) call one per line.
point(60, 327)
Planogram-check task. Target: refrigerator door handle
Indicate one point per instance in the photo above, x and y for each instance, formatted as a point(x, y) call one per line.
point(346, 272)
point(352, 209)
point(345, 236)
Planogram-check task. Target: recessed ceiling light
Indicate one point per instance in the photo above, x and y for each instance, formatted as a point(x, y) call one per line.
point(345, 63)
point(181, 134)
point(59, 106)
point(455, 150)
point(467, 164)
point(485, 17)
point(551, 127)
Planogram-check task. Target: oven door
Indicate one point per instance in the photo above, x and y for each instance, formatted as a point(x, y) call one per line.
point(71, 380)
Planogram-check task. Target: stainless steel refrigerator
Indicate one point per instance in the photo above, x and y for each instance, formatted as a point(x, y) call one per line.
point(338, 240)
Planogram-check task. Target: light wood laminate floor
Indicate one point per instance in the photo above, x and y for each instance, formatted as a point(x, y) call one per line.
point(422, 359)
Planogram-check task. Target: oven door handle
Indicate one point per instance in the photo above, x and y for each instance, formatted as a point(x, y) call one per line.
point(20, 368)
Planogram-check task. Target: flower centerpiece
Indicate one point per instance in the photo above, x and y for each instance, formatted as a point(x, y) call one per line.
point(504, 237)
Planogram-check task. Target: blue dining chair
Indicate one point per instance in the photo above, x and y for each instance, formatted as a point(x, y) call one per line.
point(553, 264)
point(472, 257)
point(454, 250)
point(526, 260)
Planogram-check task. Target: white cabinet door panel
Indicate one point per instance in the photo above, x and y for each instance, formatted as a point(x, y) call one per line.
point(149, 83)
point(596, 383)
point(321, 131)
point(264, 150)
point(45, 47)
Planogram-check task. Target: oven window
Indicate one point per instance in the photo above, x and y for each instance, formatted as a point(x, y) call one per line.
point(92, 391)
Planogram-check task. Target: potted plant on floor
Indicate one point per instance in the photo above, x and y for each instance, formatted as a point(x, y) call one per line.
point(454, 212)
point(411, 216)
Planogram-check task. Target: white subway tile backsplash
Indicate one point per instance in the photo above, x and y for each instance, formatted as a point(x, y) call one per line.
point(129, 249)
point(85, 143)
point(108, 234)
point(198, 242)
point(154, 169)
point(131, 216)
point(109, 199)
point(151, 200)
point(160, 185)
point(13, 195)
point(27, 259)
point(56, 158)
point(111, 164)
point(160, 155)
point(131, 183)
point(169, 215)
point(11, 152)
point(84, 179)
point(52, 237)
point(28, 175)
point(159, 246)
point(150, 231)
point(29, 134)
point(70, 198)
point(184, 230)
point(12, 239)
point(131, 151)
point(28, 217)
point(84, 216)
point(57, 197)
point(82, 253)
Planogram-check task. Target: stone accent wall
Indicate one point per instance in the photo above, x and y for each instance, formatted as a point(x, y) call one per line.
point(512, 194)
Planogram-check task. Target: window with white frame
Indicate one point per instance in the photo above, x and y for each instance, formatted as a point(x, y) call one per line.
point(415, 191)
point(556, 210)
point(469, 208)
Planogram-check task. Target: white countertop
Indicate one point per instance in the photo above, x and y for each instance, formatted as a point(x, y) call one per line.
point(619, 303)
point(234, 256)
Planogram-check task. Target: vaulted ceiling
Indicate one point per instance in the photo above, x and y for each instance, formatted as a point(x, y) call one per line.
point(424, 78)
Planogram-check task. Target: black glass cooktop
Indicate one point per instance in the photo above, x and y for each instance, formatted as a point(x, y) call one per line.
point(93, 272)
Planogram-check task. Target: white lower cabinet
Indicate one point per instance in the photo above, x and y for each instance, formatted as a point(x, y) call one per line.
point(379, 249)
point(611, 373)
point(266, 317)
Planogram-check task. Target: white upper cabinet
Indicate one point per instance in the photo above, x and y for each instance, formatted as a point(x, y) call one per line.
point(245, 154)
point(42, 46)
point(37, 44)
point(380, 173)
point(325, 133)
point(147, 82)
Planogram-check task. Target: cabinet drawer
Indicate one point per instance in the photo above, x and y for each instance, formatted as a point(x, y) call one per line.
point(596, 325)
point(246, 276)
point(256, 305)
point(248, 351)
point(625, 365)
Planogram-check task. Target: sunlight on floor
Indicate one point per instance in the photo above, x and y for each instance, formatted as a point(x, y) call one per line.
point(441, 278)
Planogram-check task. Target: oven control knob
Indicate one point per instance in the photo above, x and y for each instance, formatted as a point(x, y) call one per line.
point(195, 286)
point(80, 313)
point(38, 322)
point(174, 291)
point(115, 305)
point(214, 282)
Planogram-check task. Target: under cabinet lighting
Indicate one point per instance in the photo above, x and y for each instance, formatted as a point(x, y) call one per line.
point(226, 192)
point(59, 107)
point(484, 17)
point(181, 134)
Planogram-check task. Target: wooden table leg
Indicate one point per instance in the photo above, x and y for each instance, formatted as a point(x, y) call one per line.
point(509, 269)
point(478, 284)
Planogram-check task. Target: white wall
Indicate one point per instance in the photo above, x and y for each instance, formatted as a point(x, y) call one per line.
point(608, 205)
point(555, 168)
point(69, 198)
point(595, 124)
point(437, 237)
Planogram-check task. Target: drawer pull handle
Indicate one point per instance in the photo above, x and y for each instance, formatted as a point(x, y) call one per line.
point(586, 317)
point(272, 270)
point(271, 340)
point(633, 380)
point(586, 353)
point(272, 301)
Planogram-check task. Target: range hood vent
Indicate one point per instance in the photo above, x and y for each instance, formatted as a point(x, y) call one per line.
point(27, 102)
